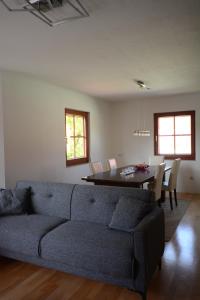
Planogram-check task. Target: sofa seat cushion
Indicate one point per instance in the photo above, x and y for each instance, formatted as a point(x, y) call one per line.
point(22, 233)
point(90, 246)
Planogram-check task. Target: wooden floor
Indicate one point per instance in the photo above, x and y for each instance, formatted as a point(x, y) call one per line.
point(178, 279)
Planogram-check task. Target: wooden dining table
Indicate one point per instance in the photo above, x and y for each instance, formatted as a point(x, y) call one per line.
point(116, 178)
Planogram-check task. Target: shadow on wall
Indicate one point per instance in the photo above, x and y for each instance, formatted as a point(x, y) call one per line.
point(187, 182)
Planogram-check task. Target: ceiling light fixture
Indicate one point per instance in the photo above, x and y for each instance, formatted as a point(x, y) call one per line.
point(52, 12)
point(141, 84)
point(142, 131)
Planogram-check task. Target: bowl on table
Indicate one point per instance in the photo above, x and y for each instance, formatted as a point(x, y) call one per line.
point(141, 167)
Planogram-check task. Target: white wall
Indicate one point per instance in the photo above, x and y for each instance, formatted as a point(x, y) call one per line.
point(34, 129)
point(2, 166)
point(130, 149)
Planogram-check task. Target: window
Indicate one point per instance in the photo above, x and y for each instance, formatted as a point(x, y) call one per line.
point(77, 137)
point(174, 135)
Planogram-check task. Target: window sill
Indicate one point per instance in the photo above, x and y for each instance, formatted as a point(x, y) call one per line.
point(76, 162)
point(183, 157)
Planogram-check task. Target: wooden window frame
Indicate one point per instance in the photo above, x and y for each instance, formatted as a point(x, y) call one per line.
point(84, 160)
point(191, 113)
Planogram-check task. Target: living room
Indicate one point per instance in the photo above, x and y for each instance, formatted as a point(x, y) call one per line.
point(91, 64)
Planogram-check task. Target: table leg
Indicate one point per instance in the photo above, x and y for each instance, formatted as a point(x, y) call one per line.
point(163, 193)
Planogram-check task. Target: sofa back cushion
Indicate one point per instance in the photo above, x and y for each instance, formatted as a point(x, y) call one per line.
point(97, 203)
point(51, 199)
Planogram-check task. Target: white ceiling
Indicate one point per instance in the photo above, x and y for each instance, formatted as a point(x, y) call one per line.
point(157, 41)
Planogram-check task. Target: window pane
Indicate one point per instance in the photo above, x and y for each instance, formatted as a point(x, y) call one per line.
point(166, 126)
point(69, 125)
point(77, 137)
point(79, 127)
point(70, 148)
point(183, 145)
point(174, 134)
point(166, 145)
point(79, 147)
point(183, 125)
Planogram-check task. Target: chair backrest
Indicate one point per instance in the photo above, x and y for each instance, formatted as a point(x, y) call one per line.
point(174, 174)
point(112, 163)
point(158, 181)
point(96, 167)
point(156, 160)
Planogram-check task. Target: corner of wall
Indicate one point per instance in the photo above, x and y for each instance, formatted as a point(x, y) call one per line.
point(2, 158)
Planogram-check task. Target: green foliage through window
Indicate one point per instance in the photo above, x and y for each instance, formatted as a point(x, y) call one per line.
point(76, 135)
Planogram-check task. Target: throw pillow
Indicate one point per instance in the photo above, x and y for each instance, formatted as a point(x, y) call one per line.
point(13, 202)
point(128, 213)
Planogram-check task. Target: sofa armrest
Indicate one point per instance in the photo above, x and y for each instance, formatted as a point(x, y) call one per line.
point(148, 247)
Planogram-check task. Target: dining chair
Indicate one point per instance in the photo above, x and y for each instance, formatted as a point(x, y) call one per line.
point(170, 186)
point(156, 185)
point(156, 160)
point(96, 167)
point(112, 163)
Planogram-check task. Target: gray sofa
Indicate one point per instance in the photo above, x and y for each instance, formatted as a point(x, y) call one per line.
point(67, 229)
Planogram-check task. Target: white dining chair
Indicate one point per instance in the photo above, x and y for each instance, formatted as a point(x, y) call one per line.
point(112, 163)
point(156, 160)
point(170, 186)
point(156, 185)
point(96, 167)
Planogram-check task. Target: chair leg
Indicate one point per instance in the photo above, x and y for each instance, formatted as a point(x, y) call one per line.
point(144, 296)
point(170, 198)
point(160, 264)
point(175, 197)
